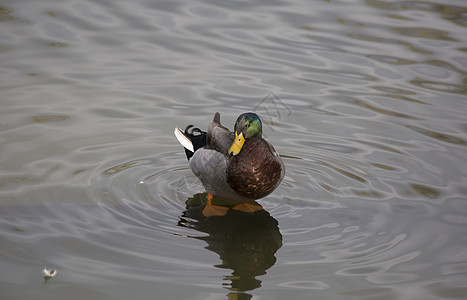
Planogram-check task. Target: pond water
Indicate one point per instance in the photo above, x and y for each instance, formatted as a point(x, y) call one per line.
point(365, 101)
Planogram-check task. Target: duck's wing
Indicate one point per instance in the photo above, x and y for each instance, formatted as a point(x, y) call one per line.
point(219, 138)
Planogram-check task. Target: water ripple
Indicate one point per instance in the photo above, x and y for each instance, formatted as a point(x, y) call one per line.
point(365, 102)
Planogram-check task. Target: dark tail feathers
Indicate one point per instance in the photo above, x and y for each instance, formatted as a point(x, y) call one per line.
point(197, 138)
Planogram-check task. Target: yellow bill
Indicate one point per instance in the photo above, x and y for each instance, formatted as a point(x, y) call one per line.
point(237, 144)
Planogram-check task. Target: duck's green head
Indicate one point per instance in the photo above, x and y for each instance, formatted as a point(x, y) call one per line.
point(248, 125)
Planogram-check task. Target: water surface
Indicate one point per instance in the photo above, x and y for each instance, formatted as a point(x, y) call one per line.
point(365, 101)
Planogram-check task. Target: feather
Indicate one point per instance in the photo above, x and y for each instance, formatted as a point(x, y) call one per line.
point(183, 139)
point(49, 273)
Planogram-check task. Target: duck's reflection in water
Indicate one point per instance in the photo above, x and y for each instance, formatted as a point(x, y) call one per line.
point(246, 242)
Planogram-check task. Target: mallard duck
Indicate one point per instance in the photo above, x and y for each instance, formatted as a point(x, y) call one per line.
point(238, 166)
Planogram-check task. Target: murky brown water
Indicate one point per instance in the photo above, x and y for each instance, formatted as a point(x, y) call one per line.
point(366, 101)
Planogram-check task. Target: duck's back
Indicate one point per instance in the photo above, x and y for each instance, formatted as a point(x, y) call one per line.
point(219, 138)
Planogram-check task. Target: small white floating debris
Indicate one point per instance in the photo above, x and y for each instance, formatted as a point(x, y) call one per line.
point(49, 273)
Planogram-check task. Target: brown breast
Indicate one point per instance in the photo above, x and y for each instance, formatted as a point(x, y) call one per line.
point(254, 172)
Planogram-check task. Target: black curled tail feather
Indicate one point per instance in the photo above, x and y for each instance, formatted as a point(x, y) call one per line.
point(197, 138)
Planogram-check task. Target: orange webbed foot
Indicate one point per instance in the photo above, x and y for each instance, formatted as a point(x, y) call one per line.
point(211, 210)
point(248, 207)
